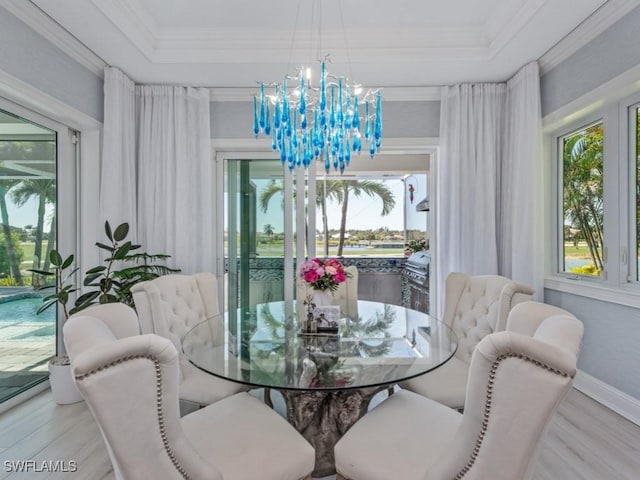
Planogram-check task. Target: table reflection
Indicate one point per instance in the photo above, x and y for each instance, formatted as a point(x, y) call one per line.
point(378, 345)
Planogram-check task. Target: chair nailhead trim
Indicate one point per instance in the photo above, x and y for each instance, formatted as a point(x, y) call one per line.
point(487, 405)
point(163, 433)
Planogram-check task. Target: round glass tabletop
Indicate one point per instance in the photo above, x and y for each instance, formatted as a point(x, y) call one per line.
point(377, 344)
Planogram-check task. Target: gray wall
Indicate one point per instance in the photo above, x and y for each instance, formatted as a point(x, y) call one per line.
point(401, 119)
point(29, 57)
point(611, 339)
point(611, 53)
point(612, 332)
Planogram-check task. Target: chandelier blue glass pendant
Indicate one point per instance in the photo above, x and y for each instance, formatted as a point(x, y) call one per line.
point(322, 122)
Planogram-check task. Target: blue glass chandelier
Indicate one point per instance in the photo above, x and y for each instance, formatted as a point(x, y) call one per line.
point(322, 122)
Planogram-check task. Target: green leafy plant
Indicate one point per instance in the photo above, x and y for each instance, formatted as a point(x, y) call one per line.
point(63, 287)
point(415, 246)
point(124, 267)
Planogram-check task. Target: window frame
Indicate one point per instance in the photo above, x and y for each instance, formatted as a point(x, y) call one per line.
point(616, 282)
point(629, 112)
point(568, 131)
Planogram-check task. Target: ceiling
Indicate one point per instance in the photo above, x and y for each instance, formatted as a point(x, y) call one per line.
point(400, 43)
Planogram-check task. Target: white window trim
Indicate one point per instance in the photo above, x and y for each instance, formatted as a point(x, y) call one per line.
point(611, 102)
point(628, 181)
point(557, 192)
point(79, 230)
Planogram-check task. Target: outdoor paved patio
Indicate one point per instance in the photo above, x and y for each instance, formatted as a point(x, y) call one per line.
point(25, 348)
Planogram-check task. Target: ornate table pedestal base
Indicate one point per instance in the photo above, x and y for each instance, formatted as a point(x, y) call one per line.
point(324, 417)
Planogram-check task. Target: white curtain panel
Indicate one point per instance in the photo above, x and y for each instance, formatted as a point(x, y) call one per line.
point(175, 182)
point(489, 178)
point(156, 169)
point(468, 179)
point(118, 175)
point(521, 226)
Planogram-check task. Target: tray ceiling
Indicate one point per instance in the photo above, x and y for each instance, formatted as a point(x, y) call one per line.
point(404, 43)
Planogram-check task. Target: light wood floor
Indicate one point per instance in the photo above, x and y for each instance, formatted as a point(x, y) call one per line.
point(586, 441)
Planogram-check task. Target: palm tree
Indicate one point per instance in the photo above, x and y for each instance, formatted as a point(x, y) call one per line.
point(330, 190)
point(51, 240)
point(338, 190)
point(5, 186)
point(268, 230)
point(356, 188)
point(45, 192)
point(583, 188)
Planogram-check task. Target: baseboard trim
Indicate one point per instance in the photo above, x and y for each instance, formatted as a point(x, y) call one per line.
point(611, 397)
point(24, 396)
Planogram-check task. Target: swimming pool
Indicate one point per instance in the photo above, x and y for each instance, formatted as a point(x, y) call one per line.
point(27, 341)
point(25, 309)
point(19, 319)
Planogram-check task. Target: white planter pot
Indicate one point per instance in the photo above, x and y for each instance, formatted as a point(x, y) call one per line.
point(63, 386)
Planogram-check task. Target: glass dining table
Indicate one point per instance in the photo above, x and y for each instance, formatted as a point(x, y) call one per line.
point(327, 380)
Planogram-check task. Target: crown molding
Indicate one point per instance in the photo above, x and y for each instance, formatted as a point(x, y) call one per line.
point(603, 18)
point(44, 25)
point(511, 26)
point(221, 45)
point(399, 53)
point(389, 94)
point(134, 22)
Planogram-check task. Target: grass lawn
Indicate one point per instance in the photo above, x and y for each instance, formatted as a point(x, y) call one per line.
point(29, 248)
point(581, 251)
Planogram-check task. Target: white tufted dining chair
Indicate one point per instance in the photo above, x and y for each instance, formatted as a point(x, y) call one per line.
point(130, 383)
point(475, 306)
point(517, 379)
point(169, 306)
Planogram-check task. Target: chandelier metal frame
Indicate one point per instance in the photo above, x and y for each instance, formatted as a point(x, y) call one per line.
point(310, 122)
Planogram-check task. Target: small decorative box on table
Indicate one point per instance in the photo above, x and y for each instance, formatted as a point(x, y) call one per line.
point(321, 320)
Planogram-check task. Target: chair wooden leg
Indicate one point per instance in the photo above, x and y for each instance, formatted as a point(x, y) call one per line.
point(267, 399)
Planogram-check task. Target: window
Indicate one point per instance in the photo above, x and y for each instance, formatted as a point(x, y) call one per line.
point(370, 215)
point(582, 201)
point(598, 202)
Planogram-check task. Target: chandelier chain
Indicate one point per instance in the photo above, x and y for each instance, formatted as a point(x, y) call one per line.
point(324, 117)
point(293, 35)
point(344, 36)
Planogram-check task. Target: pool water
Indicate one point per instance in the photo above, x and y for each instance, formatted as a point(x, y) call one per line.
point(27, 341)
point(25, 309)
point(19, 320)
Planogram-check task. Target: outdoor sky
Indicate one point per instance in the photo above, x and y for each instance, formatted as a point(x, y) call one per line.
point(363, 214)
point(27, 214)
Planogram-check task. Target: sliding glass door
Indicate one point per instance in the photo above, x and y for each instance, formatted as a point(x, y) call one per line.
point(30, 147)
point(255, 246)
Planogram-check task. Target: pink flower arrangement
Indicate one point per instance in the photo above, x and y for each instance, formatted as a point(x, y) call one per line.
point(323, 274)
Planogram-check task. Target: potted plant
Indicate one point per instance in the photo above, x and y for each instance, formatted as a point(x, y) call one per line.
point(63, 386)
point(110, 285)
point(415, 246)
